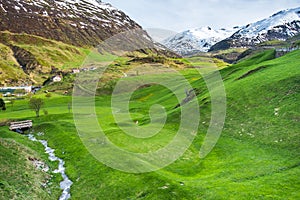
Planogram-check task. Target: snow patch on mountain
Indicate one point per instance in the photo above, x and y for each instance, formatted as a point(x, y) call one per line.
point(197, 40)
point(76, 8)
point(76, 22)
point(273, 22)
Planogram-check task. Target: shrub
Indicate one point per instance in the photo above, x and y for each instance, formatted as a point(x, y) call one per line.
point(45, 112)
point(48, 95)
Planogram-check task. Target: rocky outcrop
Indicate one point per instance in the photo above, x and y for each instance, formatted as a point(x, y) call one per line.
point(26, 59)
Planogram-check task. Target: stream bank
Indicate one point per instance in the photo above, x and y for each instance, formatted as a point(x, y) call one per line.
point(66, 184)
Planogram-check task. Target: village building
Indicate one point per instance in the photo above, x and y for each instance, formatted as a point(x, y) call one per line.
point(9, 91)
point(57, 78)
point(76, 71)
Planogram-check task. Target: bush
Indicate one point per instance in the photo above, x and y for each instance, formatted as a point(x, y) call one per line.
point(45, 112)
point(48, 95)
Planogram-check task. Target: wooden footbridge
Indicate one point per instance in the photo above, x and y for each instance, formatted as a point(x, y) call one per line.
point(20, 126)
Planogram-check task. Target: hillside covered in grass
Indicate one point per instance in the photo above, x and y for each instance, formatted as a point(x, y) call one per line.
point(32, 60)
point(256, 157)
point(28, 58)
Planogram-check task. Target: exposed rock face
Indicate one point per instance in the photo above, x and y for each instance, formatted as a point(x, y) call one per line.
point(76, 22)
point(25, 59)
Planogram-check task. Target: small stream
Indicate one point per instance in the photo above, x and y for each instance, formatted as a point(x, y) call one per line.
point(66, 184)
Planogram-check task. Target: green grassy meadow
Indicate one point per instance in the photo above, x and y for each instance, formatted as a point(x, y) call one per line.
point(256, 157)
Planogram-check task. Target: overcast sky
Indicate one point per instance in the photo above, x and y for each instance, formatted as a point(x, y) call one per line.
point(180, 15)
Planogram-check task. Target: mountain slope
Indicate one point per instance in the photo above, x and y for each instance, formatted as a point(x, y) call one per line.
point(28, 59)
point(196, 40)
point(76, 22)
point(280, 26)
point(38, 36)
point(10, 72)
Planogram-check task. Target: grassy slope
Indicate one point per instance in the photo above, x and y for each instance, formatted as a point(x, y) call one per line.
point(47, 52)
point(19, 178)
point(257, 156)
point(62, 56)
point(9, 67)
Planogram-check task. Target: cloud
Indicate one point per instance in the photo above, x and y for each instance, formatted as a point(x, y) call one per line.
point(180, 15)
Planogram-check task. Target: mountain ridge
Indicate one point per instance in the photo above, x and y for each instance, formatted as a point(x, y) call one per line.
point(196, 40)
point(280, 26)
point(75, 22)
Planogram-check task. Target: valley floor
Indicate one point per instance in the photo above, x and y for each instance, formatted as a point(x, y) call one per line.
point(256, 157)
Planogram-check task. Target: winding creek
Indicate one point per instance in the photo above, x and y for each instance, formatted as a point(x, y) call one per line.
point(66, 184)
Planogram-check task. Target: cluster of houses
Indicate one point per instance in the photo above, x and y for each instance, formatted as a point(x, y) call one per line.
point(23, 90)
point(282, 51)
point(58, 78)
point(76, 71)
point(18, 91)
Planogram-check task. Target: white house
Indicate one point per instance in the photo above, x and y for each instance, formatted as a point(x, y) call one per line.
point(57, 78)
point(76, 71)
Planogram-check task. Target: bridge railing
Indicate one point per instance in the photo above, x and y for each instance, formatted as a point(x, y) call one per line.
point(20, 125)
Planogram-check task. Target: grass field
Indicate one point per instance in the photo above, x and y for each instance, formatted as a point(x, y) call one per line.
point(257, 156)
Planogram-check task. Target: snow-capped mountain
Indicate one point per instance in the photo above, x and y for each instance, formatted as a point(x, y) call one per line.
point(77, 22)
point(197, 40)
point(280, 26)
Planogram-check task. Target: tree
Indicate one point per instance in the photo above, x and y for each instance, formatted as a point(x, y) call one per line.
point(2, 104)
point(35, 104)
